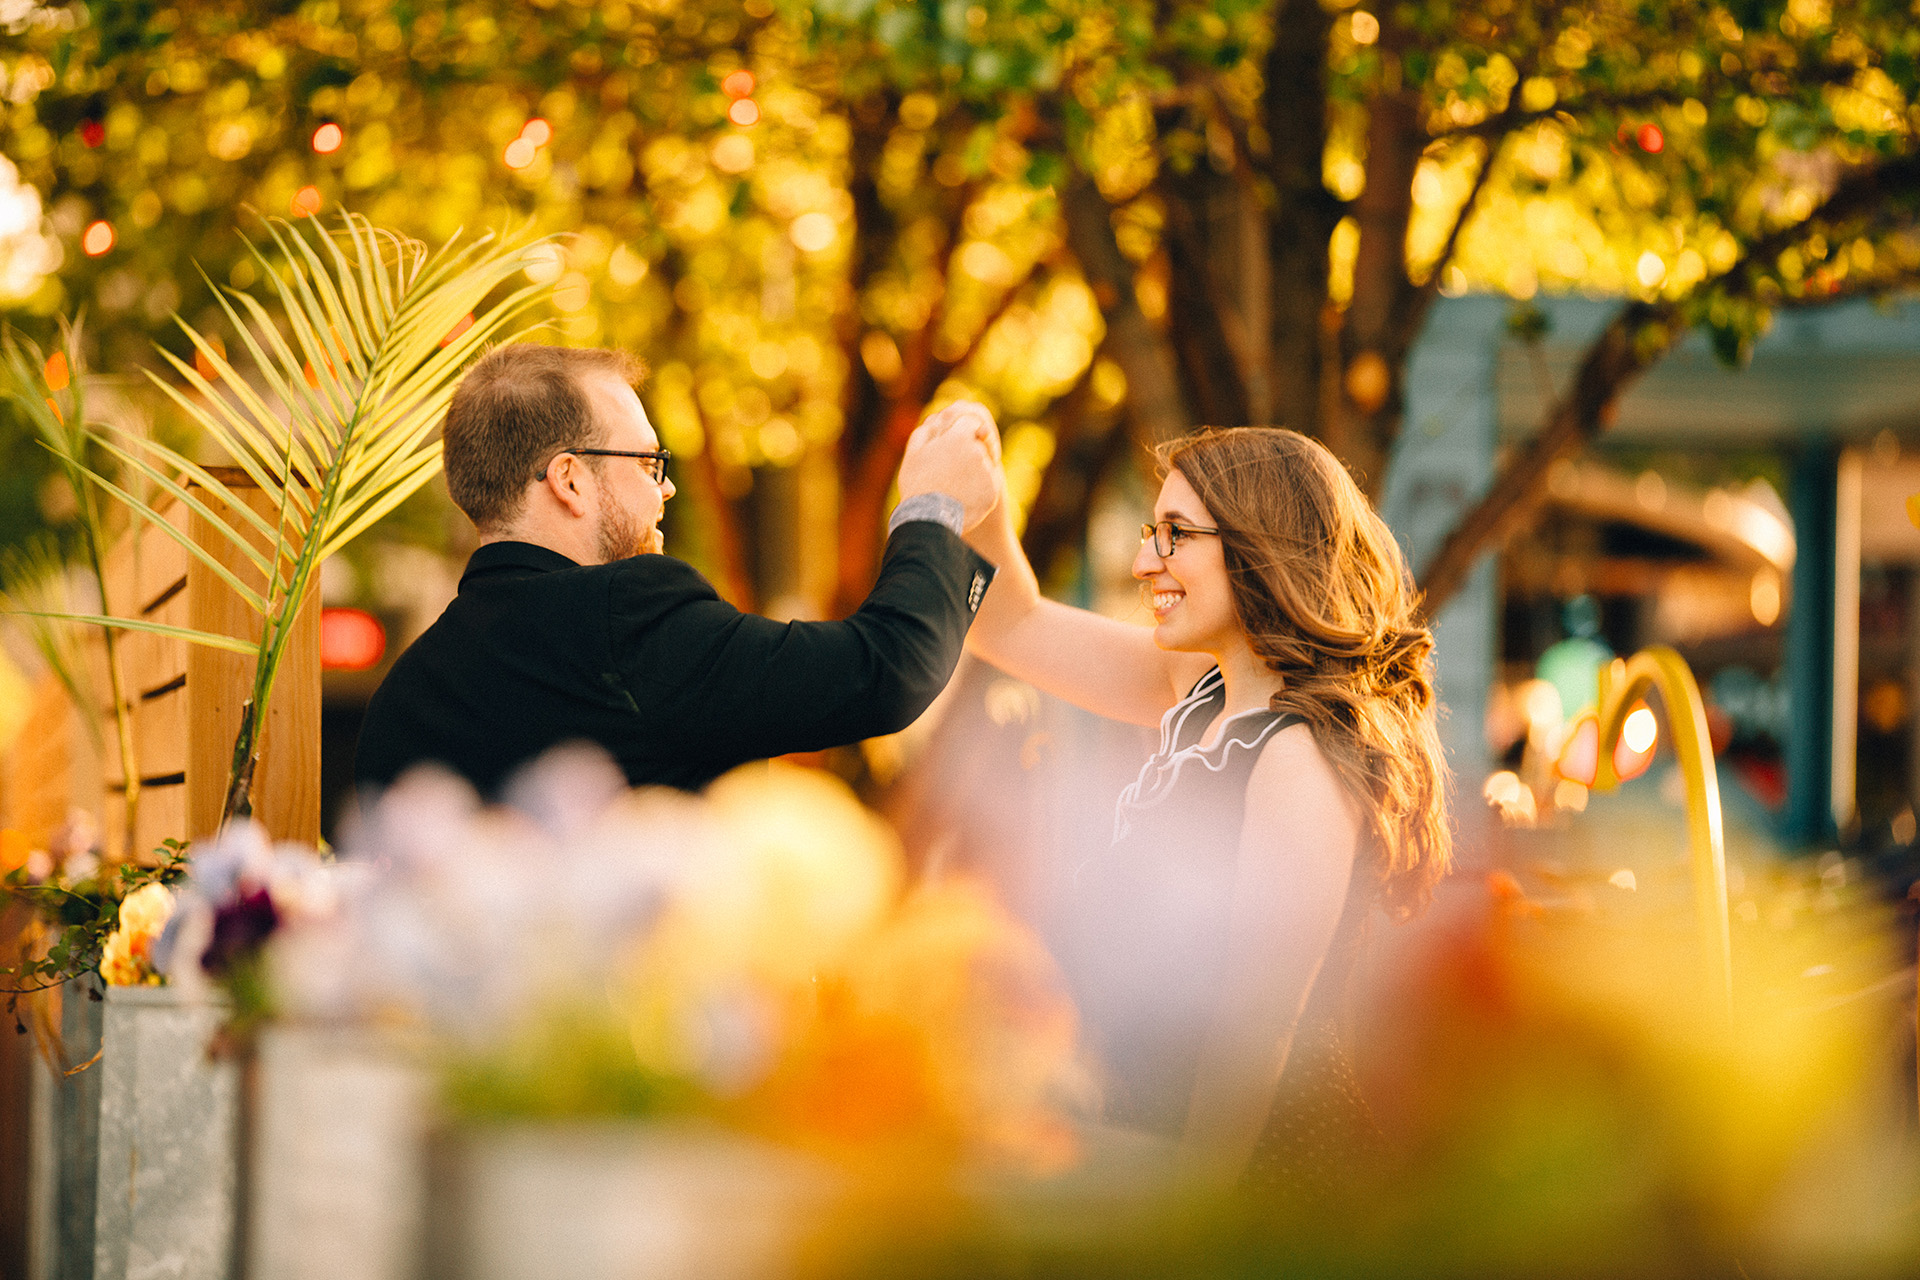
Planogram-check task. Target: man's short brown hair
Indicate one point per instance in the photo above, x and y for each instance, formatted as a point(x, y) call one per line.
point(516, 407)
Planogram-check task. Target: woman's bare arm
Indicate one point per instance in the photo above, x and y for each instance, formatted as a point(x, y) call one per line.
point(1101, 665)
point(1290, 886)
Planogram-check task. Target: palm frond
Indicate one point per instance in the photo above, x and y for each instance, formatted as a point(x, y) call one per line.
point(211, 639)
point(355, 374)
point(332, 423)
point(34, 588)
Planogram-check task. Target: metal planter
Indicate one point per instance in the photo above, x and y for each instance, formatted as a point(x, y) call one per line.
point(168, 1140)
point(338, 1178)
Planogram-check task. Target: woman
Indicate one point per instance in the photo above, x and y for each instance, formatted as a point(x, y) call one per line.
point(1298, 783)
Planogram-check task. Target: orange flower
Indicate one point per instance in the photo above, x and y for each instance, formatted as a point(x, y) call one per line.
point(14, 850)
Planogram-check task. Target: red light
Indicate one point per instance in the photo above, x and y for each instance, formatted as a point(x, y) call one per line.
point(519, 153)
point(350, 639)
point(1650, 138)
point(1580, 758)
point(537, 131)
point(737, 84)
point(93, 133)
point(306, 202)
point(744, 112)
point(97, 239)
point(328, 137)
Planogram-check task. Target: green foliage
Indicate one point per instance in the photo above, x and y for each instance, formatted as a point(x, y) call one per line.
point(81, 915)
point(921, 130)
point(571, 1062)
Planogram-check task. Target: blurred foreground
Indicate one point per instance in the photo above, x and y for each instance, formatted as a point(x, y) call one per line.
point(596, 1032)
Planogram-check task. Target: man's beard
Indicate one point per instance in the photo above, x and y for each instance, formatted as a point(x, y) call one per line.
point(620, 536)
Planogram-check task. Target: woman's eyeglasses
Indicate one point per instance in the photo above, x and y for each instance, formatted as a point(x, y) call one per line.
point(653, 461)
point(1166, 535)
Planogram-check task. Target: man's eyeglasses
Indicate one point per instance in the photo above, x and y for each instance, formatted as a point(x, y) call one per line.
point(1166, 535)
point(653, 461)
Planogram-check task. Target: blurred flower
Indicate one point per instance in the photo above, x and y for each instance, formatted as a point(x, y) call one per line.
point(240, 926)
point(126, 960)
point(948, 1031)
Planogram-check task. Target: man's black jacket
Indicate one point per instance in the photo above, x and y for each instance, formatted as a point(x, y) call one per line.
point(642, 657)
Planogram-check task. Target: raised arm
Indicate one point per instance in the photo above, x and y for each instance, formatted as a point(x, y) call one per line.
point(1101, 665)
point(1291, 880)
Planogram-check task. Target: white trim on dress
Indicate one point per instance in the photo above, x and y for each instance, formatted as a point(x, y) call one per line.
point(1161, 772)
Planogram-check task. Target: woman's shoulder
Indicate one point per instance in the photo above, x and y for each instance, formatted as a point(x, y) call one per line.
point(1294, 782)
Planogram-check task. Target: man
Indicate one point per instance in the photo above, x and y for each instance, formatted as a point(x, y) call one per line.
point(570, 624)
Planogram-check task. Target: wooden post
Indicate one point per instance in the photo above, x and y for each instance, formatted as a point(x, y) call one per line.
point(286, 786)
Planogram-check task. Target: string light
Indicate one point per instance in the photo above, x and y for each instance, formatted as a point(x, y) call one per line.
point(97, 239)
point(327, 138)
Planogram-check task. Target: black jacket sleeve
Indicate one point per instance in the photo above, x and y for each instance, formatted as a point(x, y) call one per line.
point(735, 686)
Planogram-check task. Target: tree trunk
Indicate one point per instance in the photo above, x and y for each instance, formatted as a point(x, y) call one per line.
point(1087, 442)
point(1156, 410)
point(1300, 216)
point(1372, 351)
point(1199, 310)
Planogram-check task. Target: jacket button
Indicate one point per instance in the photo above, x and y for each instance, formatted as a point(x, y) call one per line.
point(976, 592)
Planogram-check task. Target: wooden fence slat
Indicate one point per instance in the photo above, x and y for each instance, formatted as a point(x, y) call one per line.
point(186, 702)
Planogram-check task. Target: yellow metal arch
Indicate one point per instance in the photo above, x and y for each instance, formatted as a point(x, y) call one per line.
point(1623, 683)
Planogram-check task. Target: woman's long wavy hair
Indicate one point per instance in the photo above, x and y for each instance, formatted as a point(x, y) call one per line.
point(1326, 600)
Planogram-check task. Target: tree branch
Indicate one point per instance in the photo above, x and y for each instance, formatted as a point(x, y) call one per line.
point(1412, 314)
point(1637, 338)
point(1502, 123)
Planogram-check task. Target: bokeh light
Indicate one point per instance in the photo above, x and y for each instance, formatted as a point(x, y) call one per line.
point(737, 84)
point(327, 138)
point(520, 153)
point(97, 239)
point(537, 131)
point(744, 112)
point(306, 202)
point(1640, 730)
point(350, 639)
point(812, 232)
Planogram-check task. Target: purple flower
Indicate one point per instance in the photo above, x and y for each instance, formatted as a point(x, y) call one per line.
point(240, 926)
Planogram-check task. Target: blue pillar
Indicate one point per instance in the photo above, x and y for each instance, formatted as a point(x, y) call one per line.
point(1442, 464)
point(1807, 817)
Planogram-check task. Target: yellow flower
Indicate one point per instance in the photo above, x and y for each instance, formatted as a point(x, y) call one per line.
point(125, 961)
point(796, 873)
point(147, 909)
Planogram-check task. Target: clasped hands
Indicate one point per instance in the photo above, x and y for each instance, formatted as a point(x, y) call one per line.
point(956, 451)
